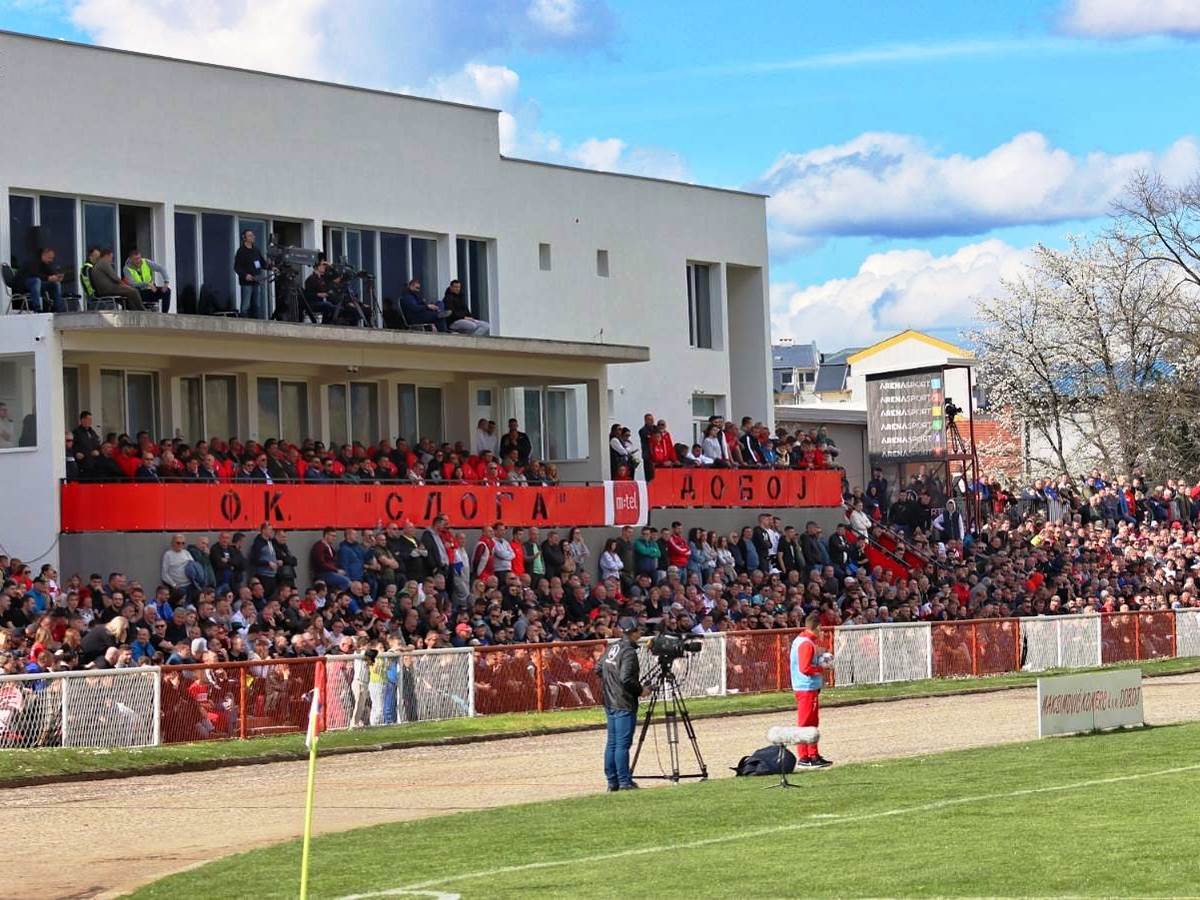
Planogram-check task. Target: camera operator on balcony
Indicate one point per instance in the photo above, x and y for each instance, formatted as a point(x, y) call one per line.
point(620, 676)
point(316, 291)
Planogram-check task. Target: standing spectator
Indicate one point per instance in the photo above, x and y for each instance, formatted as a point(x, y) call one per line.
point(623, 455)
point(486, 438)
point(648, 429)
point(251, 270)
point(515, 439)
point(264, 559)
point(87, 441)
point(175, 560)
point(678, 552)
point(611, 565)
point(577, 549)
point(352, 556)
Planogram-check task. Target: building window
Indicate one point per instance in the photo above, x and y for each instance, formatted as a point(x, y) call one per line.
point(602, 263)
point(544, 257)
point(473, 273)
point(425, 266)
point(393, 263)
point(100, 226)
point(700, 313)
point(210, 407)
point(293, 409)
point(129, 402)
point(217, 248)
point(354, 413)
point(57, 219)
point(704, 407)
point(18, 396)
point(20, 225)
point(786, 377)
point(70, 396)
point(421, 413)
point(187, 263)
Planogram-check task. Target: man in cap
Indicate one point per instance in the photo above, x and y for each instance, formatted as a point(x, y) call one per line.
point(620, 677)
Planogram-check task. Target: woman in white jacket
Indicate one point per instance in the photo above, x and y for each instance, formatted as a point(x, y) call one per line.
point(610, 561)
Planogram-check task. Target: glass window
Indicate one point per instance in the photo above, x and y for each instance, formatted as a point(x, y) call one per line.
point(18, 402)
point(544, 257)
point(220, 405)
point(187, 271)
point(141, 403)
point(699, 286)
point(429, 413)
point(293, 403)
point(339, 429)
point(337, 245)
point(20, 221)
point(473, 273)
point(425, 267)
point(216, 241)
point(408, 413)
point(191, 394)
point(367, 262)
point(602, 263)
point(70, 396)
point(354, 248)
point(364, 412)
point(532, 423)
point(99, 225)
point(557, 438)
point(58, 231)
point(112, 401)
point(268, 408)
point(393, 263)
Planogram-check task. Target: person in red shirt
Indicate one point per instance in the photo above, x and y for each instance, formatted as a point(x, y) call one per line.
point(518, 549)
point(678, 551)
point(808, 662)
point(662, 447)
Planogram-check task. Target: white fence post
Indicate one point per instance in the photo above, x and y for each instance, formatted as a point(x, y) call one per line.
point(66, 686)
point(1058, 643)
point(156, 737)
point(724, 664)
point(471, 681)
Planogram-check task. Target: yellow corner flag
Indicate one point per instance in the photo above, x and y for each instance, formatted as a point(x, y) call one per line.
point(310, 740)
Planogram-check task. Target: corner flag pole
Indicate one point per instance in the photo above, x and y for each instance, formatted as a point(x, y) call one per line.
point(314, 728)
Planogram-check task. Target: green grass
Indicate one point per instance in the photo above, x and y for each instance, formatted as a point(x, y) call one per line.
point(18, 766)
point(1020, 820)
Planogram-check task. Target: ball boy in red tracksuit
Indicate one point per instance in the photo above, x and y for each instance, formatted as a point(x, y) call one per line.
point(808, 662)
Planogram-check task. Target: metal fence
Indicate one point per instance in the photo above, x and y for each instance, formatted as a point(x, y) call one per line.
point(95, 708)
point(139, 707)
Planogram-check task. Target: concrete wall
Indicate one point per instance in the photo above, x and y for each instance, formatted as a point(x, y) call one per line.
point(242, 142)
point(139, 556)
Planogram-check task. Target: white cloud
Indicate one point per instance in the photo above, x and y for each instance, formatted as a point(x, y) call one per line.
point(479, 84)
point(558, 17)
point(1132, 18)
point(280, 35)
point(894, 185)
point(893, 291)
point(595, 153)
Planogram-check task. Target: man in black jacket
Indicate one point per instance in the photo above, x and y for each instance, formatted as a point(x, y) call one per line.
point(620, 677)
point(251, 271)
point(87, 441)
point(791, 557)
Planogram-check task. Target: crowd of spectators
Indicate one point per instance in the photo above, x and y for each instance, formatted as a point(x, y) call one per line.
point(494, 458)
point(400, 587)
point(723, 444)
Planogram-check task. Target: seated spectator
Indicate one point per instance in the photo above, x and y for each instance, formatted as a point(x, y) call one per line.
point(662, 447)
point(40, 275)
point(458, 315)
point(107, 282)
point(140, 272)
point(419, 311)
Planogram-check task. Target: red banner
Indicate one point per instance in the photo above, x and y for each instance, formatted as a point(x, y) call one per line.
point(219, 507)
point(215, 507)
point(744, 487)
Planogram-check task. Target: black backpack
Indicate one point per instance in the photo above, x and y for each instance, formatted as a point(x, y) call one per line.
point(766, 762)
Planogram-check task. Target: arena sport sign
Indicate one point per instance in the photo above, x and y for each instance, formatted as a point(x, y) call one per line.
point(906, 415)
point(1094, 701)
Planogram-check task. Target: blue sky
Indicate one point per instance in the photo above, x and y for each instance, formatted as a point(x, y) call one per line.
point(914, 151)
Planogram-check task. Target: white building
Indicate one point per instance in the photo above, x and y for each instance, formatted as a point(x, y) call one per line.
point(611, 269)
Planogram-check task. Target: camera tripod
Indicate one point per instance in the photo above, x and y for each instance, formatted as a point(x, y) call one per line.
point(957, 444)
point(290, 303)
point(665, 690)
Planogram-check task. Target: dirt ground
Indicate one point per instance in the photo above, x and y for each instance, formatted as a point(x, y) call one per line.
point(101, 838)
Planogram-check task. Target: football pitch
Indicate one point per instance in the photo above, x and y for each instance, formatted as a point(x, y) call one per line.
point(1100, 815)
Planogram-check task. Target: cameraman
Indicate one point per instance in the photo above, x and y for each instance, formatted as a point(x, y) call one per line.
point(316, 292)
point(621, 678)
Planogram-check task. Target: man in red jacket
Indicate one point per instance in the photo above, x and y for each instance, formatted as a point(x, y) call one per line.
point(678, 551)
point(807, 662)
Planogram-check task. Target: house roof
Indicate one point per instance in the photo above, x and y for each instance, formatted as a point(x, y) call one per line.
point(831, 377)
point(794, 356)
point(952, 349)
point(841, 357)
